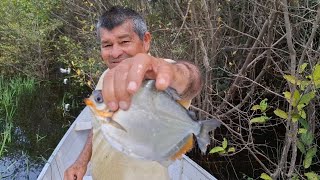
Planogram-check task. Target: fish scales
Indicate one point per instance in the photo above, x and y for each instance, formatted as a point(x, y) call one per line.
point(155, 127)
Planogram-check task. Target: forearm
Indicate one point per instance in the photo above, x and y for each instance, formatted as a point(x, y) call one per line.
point(86, 152)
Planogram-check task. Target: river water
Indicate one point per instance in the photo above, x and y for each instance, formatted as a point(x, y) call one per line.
point(41, 121)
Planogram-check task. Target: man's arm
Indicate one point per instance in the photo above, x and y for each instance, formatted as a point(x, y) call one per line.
point(78, 169)
point(122, 81)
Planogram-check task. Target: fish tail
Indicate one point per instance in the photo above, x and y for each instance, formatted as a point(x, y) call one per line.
point(203, 138)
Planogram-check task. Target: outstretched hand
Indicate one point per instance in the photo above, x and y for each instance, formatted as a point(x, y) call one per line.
point(122, 81)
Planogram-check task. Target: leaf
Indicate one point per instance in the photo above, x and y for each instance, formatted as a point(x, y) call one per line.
point(301, 147)
point(292, 79)
point(263, 105)
point(306, 98)
point(265, 176)
point(224, 143)
point(308, 159)
point(222, 152)
point(280, 113)
point(302, 67)
point(304, 84)
point(216, 149)
point(316, 73)
point(312, 176)
point(303, 114)
point(307, 138)
point(287, 95)
point(261, 119)
point(295, 117)
point(302, 131)
point(304, 123)
point(232, 149)
point(300, 106)
point(296, 97)
point(78, 72)
point(255, 107)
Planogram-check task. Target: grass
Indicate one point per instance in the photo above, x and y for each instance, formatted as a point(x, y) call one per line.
point(10, 90)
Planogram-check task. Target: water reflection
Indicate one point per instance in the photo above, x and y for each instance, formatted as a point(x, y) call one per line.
point(39, 125)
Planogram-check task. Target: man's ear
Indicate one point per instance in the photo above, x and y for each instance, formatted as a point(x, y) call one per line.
point(147, 41)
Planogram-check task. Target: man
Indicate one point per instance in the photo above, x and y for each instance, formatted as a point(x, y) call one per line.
point(125, 43)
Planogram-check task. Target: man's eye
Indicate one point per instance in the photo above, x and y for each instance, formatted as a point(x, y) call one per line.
point(107, 45)
point(124, 42)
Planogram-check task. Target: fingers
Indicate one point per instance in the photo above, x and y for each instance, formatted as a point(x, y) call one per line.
point(108, 91)
point(120, 87)
point(122, 81)
point(165, 76)
point(114, 90)
point(136, 73)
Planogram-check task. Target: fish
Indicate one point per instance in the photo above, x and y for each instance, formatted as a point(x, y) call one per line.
point(156, 127)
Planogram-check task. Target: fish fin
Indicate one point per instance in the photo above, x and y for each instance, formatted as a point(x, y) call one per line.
point(173, 94)
point(203, 138)
point(185, 148)
point(117, 125)
point(113, 123)
point(192, 114)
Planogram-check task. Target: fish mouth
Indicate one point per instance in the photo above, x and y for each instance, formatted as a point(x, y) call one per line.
point(88, 102)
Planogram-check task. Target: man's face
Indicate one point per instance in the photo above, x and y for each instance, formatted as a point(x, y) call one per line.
point(121, 42)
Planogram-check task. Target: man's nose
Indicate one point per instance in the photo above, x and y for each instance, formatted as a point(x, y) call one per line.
point(116, 51)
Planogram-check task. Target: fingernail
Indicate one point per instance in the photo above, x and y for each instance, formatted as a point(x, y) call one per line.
point(161, 81)
point(112, 106)
point(132, 86)
point(123, 105)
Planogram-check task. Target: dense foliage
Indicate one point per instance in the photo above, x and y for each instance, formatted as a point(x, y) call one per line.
point(259, 59)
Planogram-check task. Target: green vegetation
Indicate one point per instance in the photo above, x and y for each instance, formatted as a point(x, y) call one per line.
point(259, 60)
point(10, 91)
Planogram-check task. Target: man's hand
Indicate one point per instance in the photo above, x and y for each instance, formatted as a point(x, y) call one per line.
point(122, 81)
point(76, 171)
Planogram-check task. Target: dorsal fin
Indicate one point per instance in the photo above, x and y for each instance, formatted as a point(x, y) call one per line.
point(184, 149)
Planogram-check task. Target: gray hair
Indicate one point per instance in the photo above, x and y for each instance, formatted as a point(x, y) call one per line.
point(117, 15)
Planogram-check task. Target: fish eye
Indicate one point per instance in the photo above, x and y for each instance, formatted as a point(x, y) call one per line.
point(98, 99)
point(97, 96)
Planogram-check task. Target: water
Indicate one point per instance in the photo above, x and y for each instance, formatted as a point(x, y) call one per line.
point(40, 123)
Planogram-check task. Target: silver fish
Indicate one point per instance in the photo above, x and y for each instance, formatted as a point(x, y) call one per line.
point(155, 127)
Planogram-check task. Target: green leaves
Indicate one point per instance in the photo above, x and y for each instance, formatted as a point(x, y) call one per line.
point(292, 79)
point(280, 113)
point(306, 98)
point(302, 67)
point(224, 143)
point(316, 73)
point(261, 119)
point(216, 149)
point(307, 138)
point(312, 176)
point(222, 150)
point(301, 147)
point(308, 158)
point(265, 176)
point(262, 106)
